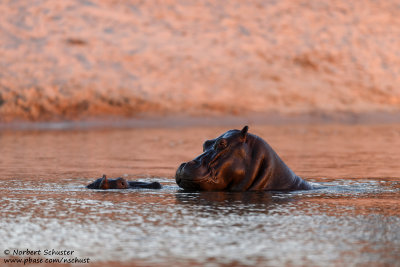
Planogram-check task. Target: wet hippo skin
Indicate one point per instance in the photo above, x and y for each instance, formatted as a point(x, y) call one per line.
point(238, 161)
point(121, 183)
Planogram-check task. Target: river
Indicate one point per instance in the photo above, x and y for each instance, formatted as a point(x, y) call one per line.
point(354, 220)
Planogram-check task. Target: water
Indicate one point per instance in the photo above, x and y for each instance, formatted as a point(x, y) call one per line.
point(353, 220)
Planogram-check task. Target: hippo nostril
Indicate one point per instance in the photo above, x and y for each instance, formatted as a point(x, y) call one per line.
point(195, 163)
point(180, 168)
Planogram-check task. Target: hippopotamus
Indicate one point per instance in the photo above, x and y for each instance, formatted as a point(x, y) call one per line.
point(120, 183)
point(238, 161)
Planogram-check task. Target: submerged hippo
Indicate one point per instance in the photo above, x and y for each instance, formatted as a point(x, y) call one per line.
point(238, 161)
point(120, 183)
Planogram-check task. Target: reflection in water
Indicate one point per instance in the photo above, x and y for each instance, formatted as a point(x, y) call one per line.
point(353, 219)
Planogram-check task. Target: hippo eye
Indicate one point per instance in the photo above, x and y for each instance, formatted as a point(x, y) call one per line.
point(221, 144)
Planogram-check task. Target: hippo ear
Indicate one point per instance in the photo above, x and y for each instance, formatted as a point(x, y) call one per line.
point(243, 132)
point(104, 182)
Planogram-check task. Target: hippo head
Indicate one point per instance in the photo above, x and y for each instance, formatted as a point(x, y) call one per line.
point(105, 183)
point(221, 166)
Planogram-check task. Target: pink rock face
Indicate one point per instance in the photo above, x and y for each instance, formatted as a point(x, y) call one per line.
point(79, 59)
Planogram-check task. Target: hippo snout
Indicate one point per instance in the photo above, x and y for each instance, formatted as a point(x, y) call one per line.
point(190, 175)
point(179, 173)
point(185, 177)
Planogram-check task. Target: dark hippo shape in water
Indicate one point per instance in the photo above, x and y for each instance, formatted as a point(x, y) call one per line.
point(121, 183)
point(238, 161)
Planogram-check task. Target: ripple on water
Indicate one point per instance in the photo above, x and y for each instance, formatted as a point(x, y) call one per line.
point(347, 221)
point(171, 225)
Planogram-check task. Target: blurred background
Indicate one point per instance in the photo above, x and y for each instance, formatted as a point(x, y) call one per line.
point(77, 60)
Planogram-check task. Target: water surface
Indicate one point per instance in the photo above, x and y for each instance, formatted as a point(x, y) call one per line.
point(353, 220)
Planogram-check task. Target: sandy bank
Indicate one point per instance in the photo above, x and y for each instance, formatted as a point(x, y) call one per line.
point(79, 59)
